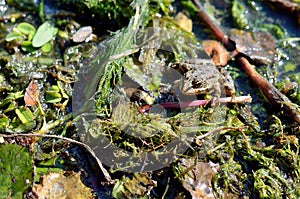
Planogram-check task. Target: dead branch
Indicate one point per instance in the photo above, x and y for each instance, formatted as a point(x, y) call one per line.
point(216, 30)
point(274, 96)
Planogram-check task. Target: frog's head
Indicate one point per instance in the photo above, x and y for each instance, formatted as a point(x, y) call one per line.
point(194, 87)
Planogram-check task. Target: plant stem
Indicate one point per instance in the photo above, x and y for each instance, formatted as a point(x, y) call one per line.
point(195, 103)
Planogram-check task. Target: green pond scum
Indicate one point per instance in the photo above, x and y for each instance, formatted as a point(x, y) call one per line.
point(241, 150)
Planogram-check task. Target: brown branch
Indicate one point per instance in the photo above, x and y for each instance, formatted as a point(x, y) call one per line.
point(216, 30)
point(272, 94)
point(104, 171)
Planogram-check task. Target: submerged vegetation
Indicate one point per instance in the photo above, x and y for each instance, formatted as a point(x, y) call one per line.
point(82, 105)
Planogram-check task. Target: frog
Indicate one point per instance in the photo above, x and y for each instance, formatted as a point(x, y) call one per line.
point(201, 76)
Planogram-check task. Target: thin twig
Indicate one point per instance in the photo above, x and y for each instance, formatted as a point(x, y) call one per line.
point(166, 189)
point(13, 16)
point(216, 30)
point(200, 137)
point(104, 171)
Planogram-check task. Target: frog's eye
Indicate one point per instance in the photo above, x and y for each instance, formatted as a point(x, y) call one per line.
point(199, 84)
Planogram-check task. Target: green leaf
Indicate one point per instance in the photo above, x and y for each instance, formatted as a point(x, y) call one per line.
point(295, 77)
point(11, 98)
point(44, 34)
point(26, 28)
point(24, 127)
point(13, 36)
point(63, 93)
point(118, 189)
point(4, 122)
point(46, 48)
point(39, 60)
point(11, 107)
point(54, 88)
point(53, 95)
point(27, 46)
point(289, 67)
point(238, 11)
point(25, 115)
point(63, 34)
point(16, 171)
point(39, 171)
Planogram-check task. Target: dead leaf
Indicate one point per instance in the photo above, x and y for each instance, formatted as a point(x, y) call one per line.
point(62, 185)
point(184, 22)
point(82, 34)
point(139, 185)
point(197, 177)
point(259, 46)
point(216, 51)
point(31, 96)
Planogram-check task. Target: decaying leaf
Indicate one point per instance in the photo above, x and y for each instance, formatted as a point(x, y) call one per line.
point(135, 187)
point(31, 96)
point(184, 22)
point(62, 185)
point(197, 177)
point(217, 52)
point(82, 34)
point(259, 46)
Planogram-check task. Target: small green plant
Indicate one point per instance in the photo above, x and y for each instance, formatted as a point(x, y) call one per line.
point(16, 170)
point(30, 39)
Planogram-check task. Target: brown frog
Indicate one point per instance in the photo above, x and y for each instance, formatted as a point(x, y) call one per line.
point(201, 76)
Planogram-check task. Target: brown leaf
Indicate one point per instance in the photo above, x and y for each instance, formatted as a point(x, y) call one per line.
point(137, 186)
point(259, 46)
point(197, 177)
point(62, 185)
point(31, 96)
point(216, 51)
point(82, 34)
point(184, 22)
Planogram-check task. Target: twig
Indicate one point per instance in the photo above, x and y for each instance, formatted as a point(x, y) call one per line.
point(166, 189)
point(13, 16)
point(104, 171)
point(223, 38)
point(200, 137)
point(272, 94)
